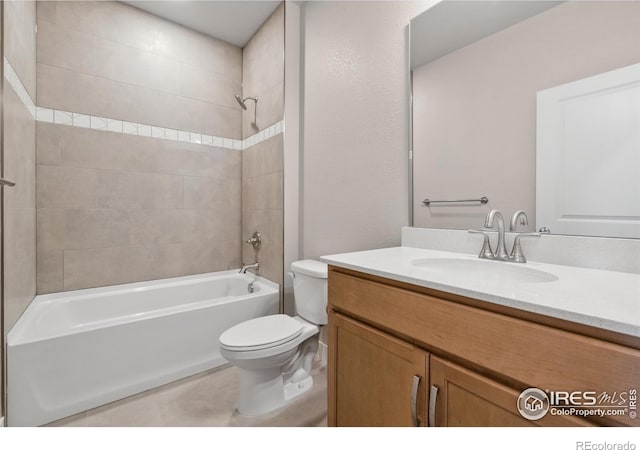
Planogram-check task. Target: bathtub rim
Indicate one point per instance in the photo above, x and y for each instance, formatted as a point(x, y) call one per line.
point(14, 338)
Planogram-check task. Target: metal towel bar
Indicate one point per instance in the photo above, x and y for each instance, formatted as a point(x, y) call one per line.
point(4, 182)
point(481, 200)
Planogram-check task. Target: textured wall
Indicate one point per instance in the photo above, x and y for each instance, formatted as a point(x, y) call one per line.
point(19, 161)
point(475, 109)
point(355, 169)
point(262, 164)
point(114, 207)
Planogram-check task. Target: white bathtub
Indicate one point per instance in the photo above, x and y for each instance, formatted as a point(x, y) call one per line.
point(73, 351)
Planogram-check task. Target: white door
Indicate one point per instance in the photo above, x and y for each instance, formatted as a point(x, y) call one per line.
point(588, 156)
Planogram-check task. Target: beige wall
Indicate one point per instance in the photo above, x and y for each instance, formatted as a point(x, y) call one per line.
point(474, 109)
point(263, 74)
point(262, 164)
point(355, 169)
point(19, 163)
point(112, 60)
point(116, 208)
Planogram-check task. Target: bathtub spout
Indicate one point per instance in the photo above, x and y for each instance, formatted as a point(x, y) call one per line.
point(245, 267)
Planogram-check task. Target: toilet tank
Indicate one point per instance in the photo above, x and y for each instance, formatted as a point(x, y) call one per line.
point(310, 290)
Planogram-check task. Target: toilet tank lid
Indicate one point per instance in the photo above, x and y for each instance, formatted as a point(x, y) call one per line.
point(310, 267)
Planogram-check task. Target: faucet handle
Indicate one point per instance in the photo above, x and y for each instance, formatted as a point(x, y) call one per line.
point(519, 217)
point(516, 251)
point(255, 240)
point(486, 252)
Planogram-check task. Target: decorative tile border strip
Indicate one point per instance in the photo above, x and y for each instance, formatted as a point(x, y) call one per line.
point(16, 84)
point(137, 129)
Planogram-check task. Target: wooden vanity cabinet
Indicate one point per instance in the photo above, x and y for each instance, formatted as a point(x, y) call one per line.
point(378, 380)
point(480, 357)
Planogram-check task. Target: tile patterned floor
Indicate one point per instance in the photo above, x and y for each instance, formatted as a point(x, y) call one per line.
point(203, 400)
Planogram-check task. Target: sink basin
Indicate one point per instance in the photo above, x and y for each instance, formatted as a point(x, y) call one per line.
point(483, 270)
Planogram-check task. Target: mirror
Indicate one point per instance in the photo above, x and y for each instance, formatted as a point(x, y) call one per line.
point(496, 114)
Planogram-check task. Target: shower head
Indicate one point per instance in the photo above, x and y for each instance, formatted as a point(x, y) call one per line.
point(241, 101)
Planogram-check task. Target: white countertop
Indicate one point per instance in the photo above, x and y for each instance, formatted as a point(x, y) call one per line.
point(599, 298)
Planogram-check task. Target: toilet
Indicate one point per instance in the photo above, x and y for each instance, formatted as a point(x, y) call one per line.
point(274, 353)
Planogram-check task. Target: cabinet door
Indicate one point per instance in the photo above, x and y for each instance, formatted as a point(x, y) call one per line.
point(374, 379)
point(467, 399)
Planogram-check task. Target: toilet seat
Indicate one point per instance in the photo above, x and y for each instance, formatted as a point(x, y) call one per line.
point(261, 333)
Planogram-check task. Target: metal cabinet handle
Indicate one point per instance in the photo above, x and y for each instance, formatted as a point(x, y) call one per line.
point(4, 182)
point(433, 399)
point(414, 400)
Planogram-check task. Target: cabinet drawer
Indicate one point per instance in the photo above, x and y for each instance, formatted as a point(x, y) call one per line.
point(528, 353)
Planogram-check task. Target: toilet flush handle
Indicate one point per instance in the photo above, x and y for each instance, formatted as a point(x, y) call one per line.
point(292, 275)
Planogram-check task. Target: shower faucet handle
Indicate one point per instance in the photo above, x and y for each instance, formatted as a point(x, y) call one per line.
point(255, 240)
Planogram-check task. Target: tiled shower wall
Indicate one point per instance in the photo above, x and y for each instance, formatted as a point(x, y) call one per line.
point(262, 164)
point(114, 207)
point(19, 91)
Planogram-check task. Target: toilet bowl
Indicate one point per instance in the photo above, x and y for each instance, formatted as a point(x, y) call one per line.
point(274, 353)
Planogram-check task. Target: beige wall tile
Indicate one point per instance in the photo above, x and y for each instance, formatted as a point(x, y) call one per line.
point(103, 150)
point(82, 52)
point(82, 228)
point(47, 143)
point(211, 193)
point(120, 189)
point(20, 41)
point(19, 152)
point(263, 158)
point(88, 94)
point(157, 226)
point(263, 191)
point(108, 266)
point(46, 12)
point(66, 187)
point(210, 224)
point(275, 190)
point(65, 48)
point(95, 267)
point(20, 263)
point(155, 262)
point(263, 74)
point(50, 271)
point(179, 43)
point(113, 21)
point(273, 252)
point(253, 197)
point(209, 87)
point(117, 208)
point(233, 61)
point(79, 147)
point(271, 153)
point(262, 170)
point(211, 256)
point(196, 160)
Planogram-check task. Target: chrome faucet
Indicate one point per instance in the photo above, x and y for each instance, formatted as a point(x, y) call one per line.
point(501, 254)
point(516, 251)
point(246, 267)
point(501, 249)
